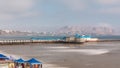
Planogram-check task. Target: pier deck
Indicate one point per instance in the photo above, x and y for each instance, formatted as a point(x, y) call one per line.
point(10, 42)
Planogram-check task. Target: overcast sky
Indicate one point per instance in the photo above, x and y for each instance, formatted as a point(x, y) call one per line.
point(45, 15)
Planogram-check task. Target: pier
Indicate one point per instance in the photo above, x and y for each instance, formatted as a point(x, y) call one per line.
point(75, 39)
point(3, 42)
point(12, 42)
point(67, 41)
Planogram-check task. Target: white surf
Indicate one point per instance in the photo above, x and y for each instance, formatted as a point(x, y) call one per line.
point(85, 51)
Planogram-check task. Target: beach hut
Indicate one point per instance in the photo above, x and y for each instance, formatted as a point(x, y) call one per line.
point(34, 63)
point(5, 62)
point(3, 57)
point(20, 60)
point(20, 63)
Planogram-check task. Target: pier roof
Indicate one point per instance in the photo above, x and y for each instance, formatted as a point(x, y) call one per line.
point(3, 56)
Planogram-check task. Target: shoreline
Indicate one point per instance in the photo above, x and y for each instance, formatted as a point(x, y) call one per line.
point(92, 55)
point(45, 65)
point(10, 55)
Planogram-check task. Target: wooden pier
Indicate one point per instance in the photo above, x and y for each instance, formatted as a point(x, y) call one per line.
point(12, 42)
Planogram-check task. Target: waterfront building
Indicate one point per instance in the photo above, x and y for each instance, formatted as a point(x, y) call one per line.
point(70, 39)
point(86, 38)
point(75, 39)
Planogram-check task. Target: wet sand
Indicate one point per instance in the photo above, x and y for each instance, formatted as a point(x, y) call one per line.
point(88, 55)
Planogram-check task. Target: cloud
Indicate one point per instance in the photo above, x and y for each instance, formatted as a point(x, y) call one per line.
point(76, 5)
point(107, 2)
point(104, 24)
point(29, 14)
point(114, 10)
point(107, 6)
point(5, 16)
point(15, 5)
point(9, 9)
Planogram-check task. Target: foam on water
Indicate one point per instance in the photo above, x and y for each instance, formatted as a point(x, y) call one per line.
point(58, 47)
point(86, 51)
point(52, 66)
point(10, 55)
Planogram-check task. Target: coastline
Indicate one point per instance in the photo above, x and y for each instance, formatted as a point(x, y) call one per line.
point(10, 55)
point(88, 55)
point(45, 65)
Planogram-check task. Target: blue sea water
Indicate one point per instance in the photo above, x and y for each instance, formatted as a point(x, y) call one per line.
point(51, 37)
point(113, 37)
point(88, 55)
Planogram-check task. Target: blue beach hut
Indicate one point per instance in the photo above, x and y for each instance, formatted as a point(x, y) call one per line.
point(20, 60)
point(3, 57)
point(20, 63)
point(6, 62)
point(34, 63)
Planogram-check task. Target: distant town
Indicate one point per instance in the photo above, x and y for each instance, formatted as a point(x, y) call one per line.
point(66, 30)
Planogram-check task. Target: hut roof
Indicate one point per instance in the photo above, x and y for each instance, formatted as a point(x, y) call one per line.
point(3, 56)
point(34, 61)
point(20, 60)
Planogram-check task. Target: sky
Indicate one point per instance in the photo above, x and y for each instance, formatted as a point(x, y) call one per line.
point(48, 15)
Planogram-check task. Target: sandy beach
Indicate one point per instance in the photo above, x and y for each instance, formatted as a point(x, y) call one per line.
point(45, 65)
point(89, 55)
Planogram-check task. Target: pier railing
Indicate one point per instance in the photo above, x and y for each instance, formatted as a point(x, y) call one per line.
point(15, 41)
point(28, 41)
point(46, 41)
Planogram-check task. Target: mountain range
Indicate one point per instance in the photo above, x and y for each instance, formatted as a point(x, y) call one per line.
point(91, 30)
point(68, 30)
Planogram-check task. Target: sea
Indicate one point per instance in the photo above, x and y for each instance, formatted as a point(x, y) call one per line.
point(87, 55)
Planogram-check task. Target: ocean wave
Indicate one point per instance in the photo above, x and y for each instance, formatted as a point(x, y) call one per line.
point(10, 55)
point(85, 51)
point(52, 66)
point(58, 47)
